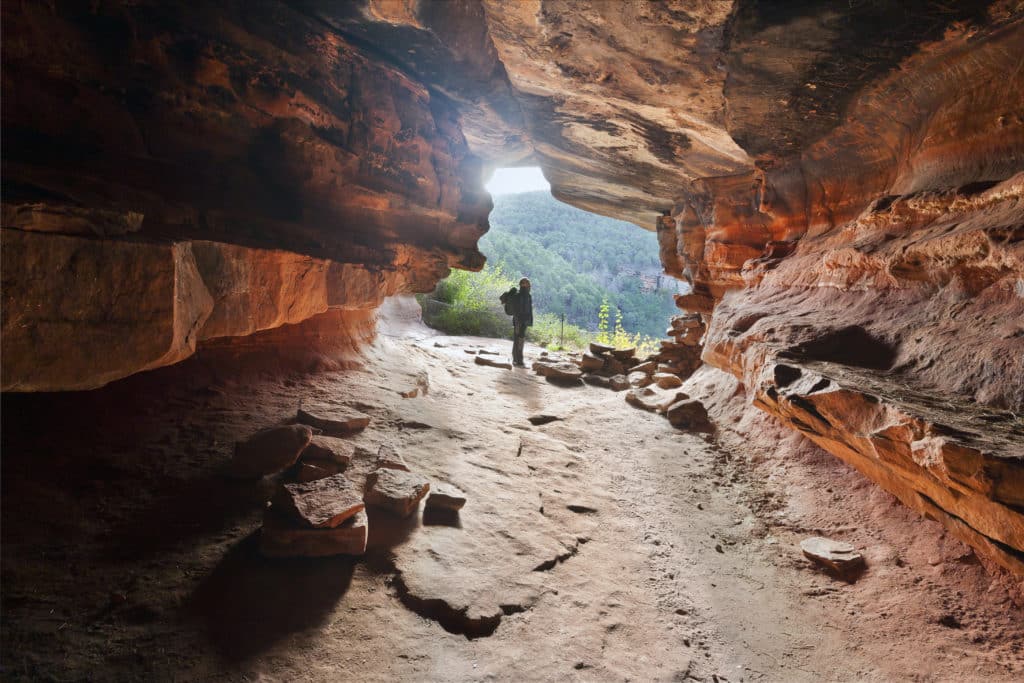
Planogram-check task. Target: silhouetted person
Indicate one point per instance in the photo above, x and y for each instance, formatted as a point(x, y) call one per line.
point(519, 304)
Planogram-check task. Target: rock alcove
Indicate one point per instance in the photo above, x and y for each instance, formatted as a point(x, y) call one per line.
point(205, 209)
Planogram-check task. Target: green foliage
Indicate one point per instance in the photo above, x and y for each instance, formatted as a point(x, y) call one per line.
point(468, 303)
point(574, 259)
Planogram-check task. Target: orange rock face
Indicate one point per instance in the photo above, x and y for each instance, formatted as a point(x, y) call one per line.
point(842, 185)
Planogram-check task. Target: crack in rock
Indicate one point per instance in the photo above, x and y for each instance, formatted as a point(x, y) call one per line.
point(548, 565)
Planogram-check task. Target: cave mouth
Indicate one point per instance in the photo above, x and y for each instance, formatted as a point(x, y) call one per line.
point(593, 277)
point(516, 179)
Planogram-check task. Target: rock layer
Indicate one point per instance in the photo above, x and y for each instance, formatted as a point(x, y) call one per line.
point(838, 183)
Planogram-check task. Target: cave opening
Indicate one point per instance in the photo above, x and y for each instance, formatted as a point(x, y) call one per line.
point(259, 419)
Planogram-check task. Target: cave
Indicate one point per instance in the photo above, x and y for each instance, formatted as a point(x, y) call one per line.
point(231, 449)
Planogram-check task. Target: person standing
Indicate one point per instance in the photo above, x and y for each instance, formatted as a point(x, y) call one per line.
point(520, 305)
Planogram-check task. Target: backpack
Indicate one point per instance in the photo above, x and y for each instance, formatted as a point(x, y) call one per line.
point(508, 299)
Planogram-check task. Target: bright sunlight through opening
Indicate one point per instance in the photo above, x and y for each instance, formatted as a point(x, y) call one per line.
point(516, 180)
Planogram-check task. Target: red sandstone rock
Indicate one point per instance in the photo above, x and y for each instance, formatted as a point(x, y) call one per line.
point(280, 538)
point(389, 458)
point(445, 497)
point(270, 451)
point(329, 450)
point(322, 503)
point(333, 420)
point(558, 371)
point(841, 558)
point(396, 491)
point(482, 360)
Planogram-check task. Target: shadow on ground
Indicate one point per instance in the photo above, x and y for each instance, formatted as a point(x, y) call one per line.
point(249, 602)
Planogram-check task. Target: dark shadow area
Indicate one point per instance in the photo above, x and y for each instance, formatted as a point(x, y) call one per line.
point(185, 511)
point(441, 517)
point(387, 530)
point(852, 346)
point(248, 602)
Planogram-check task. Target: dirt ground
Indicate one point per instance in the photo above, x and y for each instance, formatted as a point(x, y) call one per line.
point(604, 545)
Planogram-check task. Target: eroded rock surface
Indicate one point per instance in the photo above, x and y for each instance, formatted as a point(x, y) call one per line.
point(839, 183)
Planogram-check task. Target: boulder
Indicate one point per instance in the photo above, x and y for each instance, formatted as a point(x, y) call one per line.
point(270, 450)
point(480, 360)
point(841, 558)
point(597, 380)
point(648, 367)
point(334, 421)
point(639, 379)
point(618, 383)
point(388, 458)
point(591, 362)
point(558, 370)
point(667, 380)
point(280, 538)
point(445, 497)
point(624, 354)
point(689, 414)
point(321, 504)
point(600, 349)
point(329, 449)
point(396, 491)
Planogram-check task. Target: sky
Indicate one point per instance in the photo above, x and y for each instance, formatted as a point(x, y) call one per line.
point(516, 180)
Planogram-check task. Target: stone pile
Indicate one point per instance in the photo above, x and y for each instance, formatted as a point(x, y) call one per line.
point(680, 354)
point(607, 367)
point(655, 382)
point(318, 511)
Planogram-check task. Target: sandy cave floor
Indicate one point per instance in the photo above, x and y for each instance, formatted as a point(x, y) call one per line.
point(602, 546)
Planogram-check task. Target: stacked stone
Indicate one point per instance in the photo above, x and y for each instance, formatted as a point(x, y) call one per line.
point(605, 366)
point(680, 355)
point(317, 510)
point(655, 381)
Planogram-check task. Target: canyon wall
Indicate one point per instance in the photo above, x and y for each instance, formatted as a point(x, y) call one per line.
point(841, 183)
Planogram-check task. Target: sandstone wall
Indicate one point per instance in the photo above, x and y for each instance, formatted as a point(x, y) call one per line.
point(842, 180)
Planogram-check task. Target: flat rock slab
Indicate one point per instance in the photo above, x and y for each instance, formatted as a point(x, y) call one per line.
point(321, 504)
point(591, 362)
point(667, 380)
point(390, 459)
point(270, 450)
point(329, 449)
point(842, 558)
point(624, 354)
point(334, 421)
point(597, 381)
point(647, 367)
point(396, 491)
point(445, 497)
point(542, 419)
point(600, 349)
point(562, 370)
point(481, 360)
point(281, 538)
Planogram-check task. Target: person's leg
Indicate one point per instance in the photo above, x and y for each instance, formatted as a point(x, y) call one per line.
point(518, 341)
